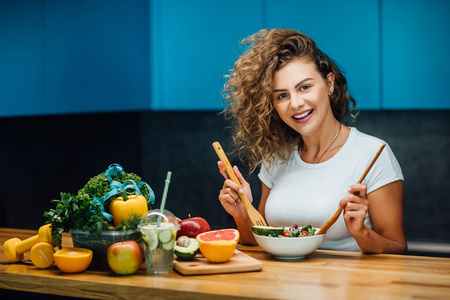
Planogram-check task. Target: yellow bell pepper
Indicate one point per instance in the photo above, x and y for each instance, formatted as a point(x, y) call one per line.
point(123, 209)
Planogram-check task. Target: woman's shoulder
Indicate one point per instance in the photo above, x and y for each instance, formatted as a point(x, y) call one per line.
point(365, 145)
point(361, 137)
point(386, 170)
point(274, 166)
point(283, 159)
point(363, 142)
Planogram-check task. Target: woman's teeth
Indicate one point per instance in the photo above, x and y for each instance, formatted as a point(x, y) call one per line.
point(298, 117)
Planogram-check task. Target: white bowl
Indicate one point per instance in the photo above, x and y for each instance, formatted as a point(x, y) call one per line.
point(289, 247)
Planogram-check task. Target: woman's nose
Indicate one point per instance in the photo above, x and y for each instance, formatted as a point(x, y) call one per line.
point(296, 101)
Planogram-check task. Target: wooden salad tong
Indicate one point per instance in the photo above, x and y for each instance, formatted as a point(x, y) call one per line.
point(338, 212)
point(253, 214)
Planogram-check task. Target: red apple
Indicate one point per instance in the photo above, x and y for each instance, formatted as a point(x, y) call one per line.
point(124, 258)
point(192, 227)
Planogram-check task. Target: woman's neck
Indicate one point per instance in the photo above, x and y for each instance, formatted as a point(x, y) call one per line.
point(323, 145)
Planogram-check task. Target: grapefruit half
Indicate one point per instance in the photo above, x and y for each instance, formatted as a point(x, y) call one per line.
point(218, 246)
point(219, 235)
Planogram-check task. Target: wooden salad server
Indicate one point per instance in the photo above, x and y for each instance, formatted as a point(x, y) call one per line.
point(338, 212)
point(253, 214)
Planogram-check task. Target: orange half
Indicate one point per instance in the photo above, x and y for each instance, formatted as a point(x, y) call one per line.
point(73, 260)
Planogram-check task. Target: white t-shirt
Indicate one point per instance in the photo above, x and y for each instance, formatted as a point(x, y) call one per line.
point(303, 193)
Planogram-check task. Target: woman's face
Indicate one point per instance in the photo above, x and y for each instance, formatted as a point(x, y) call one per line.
point(301, 96)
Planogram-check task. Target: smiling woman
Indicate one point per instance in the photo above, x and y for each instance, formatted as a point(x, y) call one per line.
point(299, 85)
point(288, 99)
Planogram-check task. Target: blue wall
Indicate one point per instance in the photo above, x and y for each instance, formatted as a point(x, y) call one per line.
point(73, 56)
point(59, 57)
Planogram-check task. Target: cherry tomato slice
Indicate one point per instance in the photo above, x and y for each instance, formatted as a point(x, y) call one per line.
point(286, 233)
point(304, 233)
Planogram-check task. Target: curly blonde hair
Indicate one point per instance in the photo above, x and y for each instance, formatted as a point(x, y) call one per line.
point(259, 134)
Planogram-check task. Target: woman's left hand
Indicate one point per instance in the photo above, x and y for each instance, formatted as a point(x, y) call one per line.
point(356, 207)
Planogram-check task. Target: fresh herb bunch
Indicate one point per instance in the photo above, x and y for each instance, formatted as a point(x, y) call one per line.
point(80, 212)
point(74, 212)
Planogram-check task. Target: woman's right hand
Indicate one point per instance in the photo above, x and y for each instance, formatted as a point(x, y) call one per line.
point(229, 195)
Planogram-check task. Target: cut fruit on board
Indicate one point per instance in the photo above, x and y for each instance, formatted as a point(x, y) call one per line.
point(188, 252)
point(217, 251)
point(217, 235)
point(218, 246)
point(239, 262)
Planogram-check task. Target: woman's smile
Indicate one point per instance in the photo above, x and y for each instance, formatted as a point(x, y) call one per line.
point(303, 117)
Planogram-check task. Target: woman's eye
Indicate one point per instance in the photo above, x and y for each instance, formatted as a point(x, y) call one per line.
point(305, 87)
point(282, 95)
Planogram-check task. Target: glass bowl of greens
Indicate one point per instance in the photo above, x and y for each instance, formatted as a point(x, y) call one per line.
point(100, 242)
point(288, 242)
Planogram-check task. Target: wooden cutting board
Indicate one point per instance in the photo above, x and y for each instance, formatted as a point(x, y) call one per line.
point(239, 262)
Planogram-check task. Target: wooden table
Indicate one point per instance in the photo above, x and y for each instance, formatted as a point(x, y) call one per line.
point(322, 275)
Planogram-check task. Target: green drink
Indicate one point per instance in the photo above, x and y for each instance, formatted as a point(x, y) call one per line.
point(159, 232)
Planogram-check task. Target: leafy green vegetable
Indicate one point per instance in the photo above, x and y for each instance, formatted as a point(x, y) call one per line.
point(80, 212)
point(295, 232)
point(72, 212)
point(99, 185)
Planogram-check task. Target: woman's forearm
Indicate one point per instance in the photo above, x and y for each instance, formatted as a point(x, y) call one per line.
point(371, 242)
point(245, 231)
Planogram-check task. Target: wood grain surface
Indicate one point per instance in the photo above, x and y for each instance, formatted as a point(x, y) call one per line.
point(239, 262)
point(321, 275)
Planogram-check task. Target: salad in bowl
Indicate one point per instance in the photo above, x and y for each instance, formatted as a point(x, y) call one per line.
point(293, 242)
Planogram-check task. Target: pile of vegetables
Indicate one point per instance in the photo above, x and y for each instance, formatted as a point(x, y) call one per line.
point(296, 231)
point(89, 210)
point(293, 231)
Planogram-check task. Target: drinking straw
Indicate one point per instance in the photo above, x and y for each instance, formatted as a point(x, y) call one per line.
point(163, 203)
point(166, 189)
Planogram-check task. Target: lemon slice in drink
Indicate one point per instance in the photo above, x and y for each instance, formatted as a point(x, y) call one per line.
point(150, 238)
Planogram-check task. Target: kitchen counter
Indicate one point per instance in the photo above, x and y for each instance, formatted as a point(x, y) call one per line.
point(321, 275)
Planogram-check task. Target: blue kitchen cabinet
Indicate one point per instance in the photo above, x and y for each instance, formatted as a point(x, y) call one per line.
point(78, 56)
point(70, 56)
point(347, 31)
point(96, 56)
point(194, 44)
point(21, 52)
point(416, 60)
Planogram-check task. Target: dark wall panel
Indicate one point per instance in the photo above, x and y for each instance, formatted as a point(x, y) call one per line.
point(43, 156)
